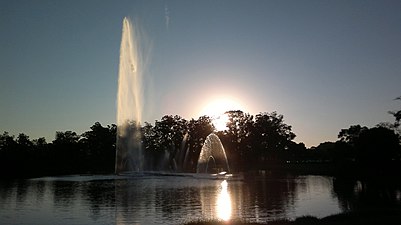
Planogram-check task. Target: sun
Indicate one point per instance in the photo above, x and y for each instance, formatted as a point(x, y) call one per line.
point(220, 123)
point(217, 108)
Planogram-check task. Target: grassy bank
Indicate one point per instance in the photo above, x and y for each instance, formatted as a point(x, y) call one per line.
point(368, 217)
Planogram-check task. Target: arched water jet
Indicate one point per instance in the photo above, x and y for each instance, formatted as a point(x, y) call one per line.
point(129, 151)
point(212, 148)
point(181, 156)
point(207, 165)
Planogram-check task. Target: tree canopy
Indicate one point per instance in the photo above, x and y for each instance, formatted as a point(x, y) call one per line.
point(173, 143)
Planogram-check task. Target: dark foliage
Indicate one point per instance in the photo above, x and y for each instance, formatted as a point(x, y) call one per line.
point(69, 153)
point(260, 142)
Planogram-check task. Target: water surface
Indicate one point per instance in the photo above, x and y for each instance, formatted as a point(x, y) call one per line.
point(164, 199)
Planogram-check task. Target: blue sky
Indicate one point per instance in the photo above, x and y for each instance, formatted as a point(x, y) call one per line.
point(324, 65)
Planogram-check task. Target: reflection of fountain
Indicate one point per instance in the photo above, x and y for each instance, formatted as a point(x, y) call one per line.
point(212, 153)
point(129, 155)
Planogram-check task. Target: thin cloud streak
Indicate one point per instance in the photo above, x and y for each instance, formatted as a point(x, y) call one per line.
point(167, 16)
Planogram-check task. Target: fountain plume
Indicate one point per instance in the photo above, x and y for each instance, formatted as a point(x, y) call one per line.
point(129, 155)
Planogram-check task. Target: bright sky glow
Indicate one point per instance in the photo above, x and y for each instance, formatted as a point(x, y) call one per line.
point(220, 122)
point(324, 65)
point(217, 108)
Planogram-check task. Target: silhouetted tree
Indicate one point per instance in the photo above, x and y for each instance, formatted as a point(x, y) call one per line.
point(351, 134)
point(20, 157)
point(23, 141)
point(297, 151)
point(153, 149)
point(66, 138)
point(168, 134)
point(9, 157)
point(271, 136)
point(100, 146)
point(326, 150)
point(40, 153)
point(377, 146)
point(40, 142)
point(170, 131)
point(396, 114)
point(25, 155)
point(237, 138)
point(198, 130)
point(150, 143)
point(67, 156)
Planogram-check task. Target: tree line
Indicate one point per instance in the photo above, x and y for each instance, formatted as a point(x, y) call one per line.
point(251, 142)
point(69, 153)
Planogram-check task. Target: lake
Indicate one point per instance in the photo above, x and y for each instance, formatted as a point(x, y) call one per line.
point(155, 199)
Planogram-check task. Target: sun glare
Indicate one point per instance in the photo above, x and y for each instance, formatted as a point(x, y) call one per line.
point(220, 123)
point(217, 109)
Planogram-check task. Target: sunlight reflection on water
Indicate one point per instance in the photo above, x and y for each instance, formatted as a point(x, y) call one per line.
point(163, 199)
point(223, 202)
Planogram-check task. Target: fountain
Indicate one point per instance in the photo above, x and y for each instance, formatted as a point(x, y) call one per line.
point(129, 151)
point(129, 155)
point(212, 152)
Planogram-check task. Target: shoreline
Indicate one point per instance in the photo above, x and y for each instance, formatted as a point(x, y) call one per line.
point(388, 216)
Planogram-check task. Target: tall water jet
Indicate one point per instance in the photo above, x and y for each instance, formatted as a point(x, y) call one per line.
point(212, 154)
point(129, 153)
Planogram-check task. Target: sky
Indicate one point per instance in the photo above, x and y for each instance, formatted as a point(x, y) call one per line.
point(324, 65)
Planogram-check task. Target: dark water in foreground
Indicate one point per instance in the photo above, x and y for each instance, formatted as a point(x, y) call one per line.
point(175, 200)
